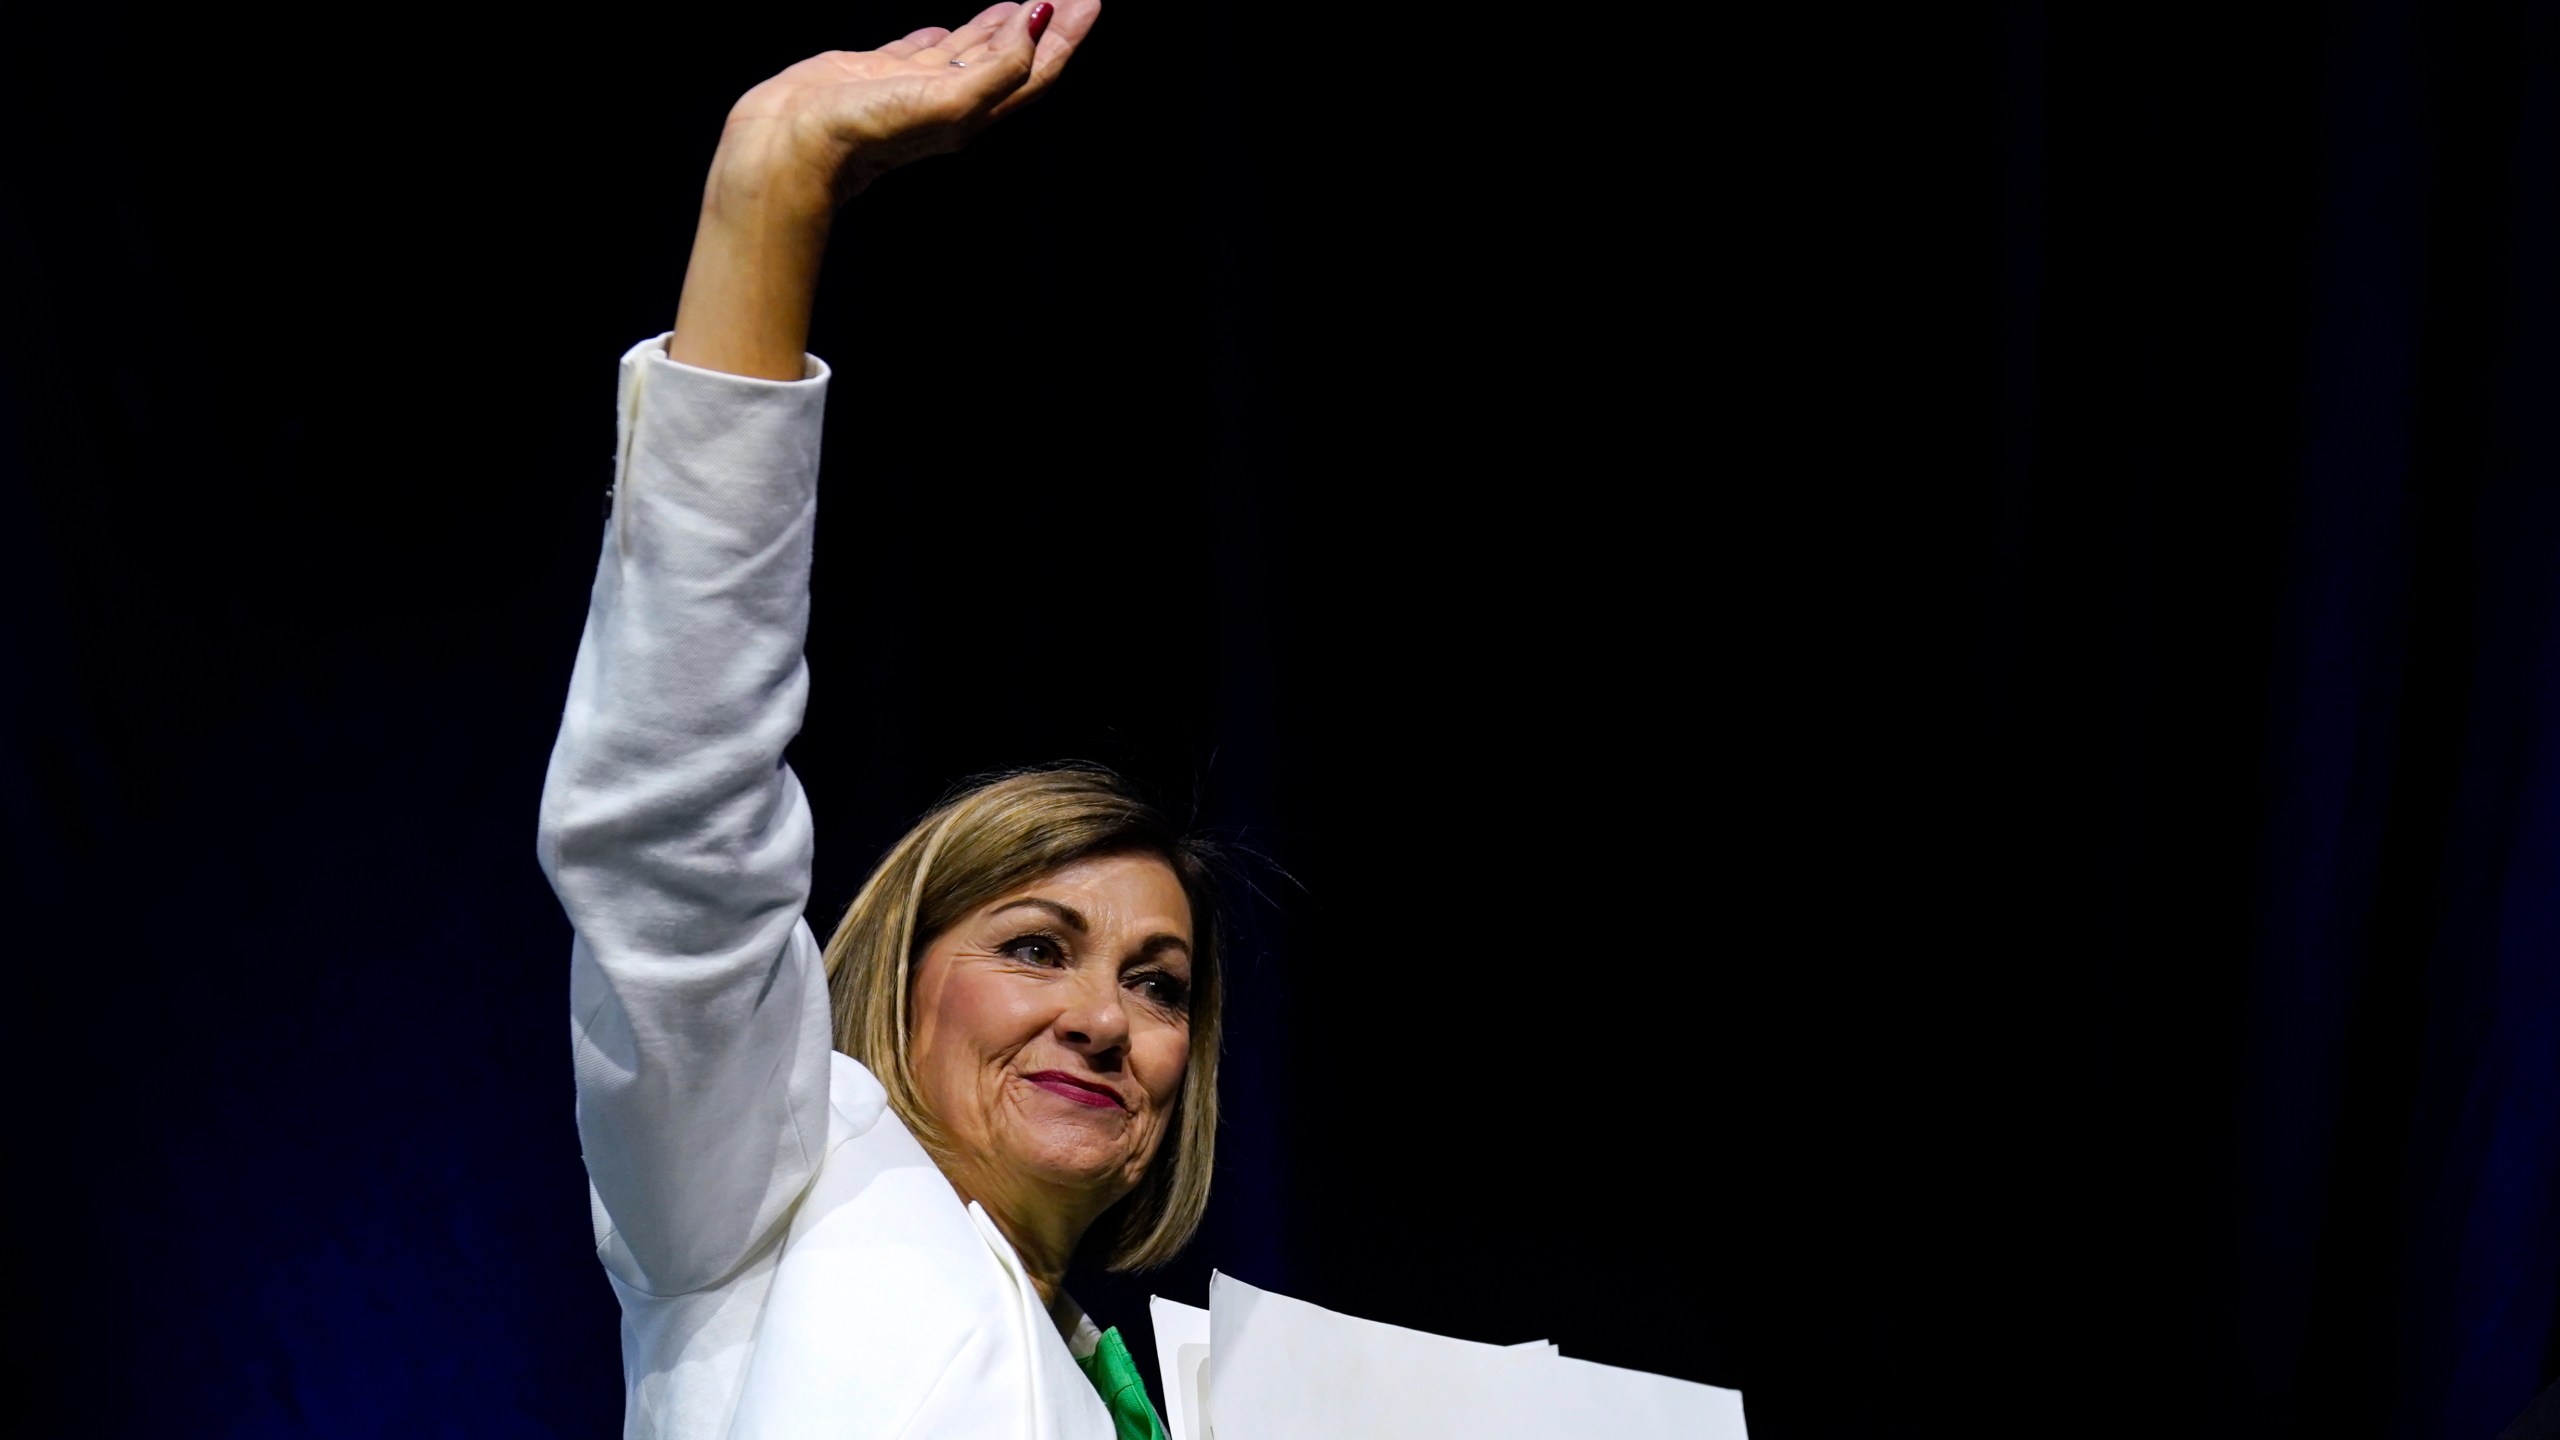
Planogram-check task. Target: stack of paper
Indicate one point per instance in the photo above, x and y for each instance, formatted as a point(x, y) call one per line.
point(1261, 1366)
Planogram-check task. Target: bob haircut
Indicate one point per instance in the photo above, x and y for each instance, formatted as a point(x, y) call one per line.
point(989, 839)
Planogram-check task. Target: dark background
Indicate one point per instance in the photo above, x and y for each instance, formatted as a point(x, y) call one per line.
point(1899, 676)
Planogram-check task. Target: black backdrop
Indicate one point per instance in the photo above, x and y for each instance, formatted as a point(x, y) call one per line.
point(1899, 675)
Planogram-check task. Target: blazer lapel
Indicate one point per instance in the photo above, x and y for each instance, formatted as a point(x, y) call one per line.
point(1063, 1403)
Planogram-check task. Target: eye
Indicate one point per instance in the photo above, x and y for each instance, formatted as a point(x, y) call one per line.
point(1162, 988)
point(1038, 950)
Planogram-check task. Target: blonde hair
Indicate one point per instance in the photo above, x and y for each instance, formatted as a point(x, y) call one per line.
point(987, 840)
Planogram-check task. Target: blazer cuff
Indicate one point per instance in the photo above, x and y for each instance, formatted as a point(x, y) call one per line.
point(814, 371)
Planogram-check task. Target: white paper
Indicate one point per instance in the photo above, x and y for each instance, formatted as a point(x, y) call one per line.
point(1182, 1364)
point(1282, 1369)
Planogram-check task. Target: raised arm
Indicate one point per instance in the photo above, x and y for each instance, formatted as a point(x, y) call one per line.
point(676, 838)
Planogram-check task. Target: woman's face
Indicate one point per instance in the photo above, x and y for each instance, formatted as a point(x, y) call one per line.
point(1052, 1029)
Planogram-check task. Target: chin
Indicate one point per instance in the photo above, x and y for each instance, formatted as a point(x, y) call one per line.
point(1082, 1172)
point(1082, 1165)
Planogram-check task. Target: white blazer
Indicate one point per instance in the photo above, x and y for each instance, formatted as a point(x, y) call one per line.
point(790, 1261)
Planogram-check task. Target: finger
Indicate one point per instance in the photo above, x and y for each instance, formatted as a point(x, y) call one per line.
point(980, 32)
point(1000, 69)
point(924, 39)
point(1067, 25)
point(1066, 30)
point(1072, 23)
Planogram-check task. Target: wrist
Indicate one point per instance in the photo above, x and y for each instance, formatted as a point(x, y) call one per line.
point(756, 182)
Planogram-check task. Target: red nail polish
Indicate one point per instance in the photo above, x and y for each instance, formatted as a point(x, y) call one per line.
point(1040, 17)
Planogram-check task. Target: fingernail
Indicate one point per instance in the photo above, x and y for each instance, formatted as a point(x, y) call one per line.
point(1040, 17)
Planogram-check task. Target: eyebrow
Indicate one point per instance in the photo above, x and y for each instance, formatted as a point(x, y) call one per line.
point(1067, 915)
point(1073, 919)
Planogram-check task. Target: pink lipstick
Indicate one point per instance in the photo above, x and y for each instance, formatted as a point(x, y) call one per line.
point(1083, 1092)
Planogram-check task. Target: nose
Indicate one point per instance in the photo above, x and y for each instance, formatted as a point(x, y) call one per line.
point(1093, 1022)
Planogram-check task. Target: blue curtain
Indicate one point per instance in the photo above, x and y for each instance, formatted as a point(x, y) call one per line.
point(2279, 332)
point(1906, 668)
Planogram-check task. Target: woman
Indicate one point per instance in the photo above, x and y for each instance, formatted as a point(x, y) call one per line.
point(836, 1193)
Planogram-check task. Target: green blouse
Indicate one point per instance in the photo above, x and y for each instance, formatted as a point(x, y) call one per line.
point(1123, 1393)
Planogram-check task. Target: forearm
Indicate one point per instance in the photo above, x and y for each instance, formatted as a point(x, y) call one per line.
point(753, 278)
point(689, 682)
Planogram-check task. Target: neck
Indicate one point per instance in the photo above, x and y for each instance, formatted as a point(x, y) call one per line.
point(1044, 1227)
point(1042, 1243)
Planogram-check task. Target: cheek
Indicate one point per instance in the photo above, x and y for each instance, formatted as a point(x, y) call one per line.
point(965, 1025)
point(983, 1013)
point(1160, 1059)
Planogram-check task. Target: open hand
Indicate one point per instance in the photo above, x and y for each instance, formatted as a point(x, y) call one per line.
point(830, 125)
point(802, 143)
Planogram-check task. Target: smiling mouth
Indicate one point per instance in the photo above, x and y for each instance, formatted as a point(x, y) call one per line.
point(1083, 1092)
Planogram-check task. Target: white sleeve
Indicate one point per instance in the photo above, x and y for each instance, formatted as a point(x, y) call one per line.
point(679, 842)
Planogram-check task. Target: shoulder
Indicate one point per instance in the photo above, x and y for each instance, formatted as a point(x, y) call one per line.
point(875, 1179)
point(854, 1093)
